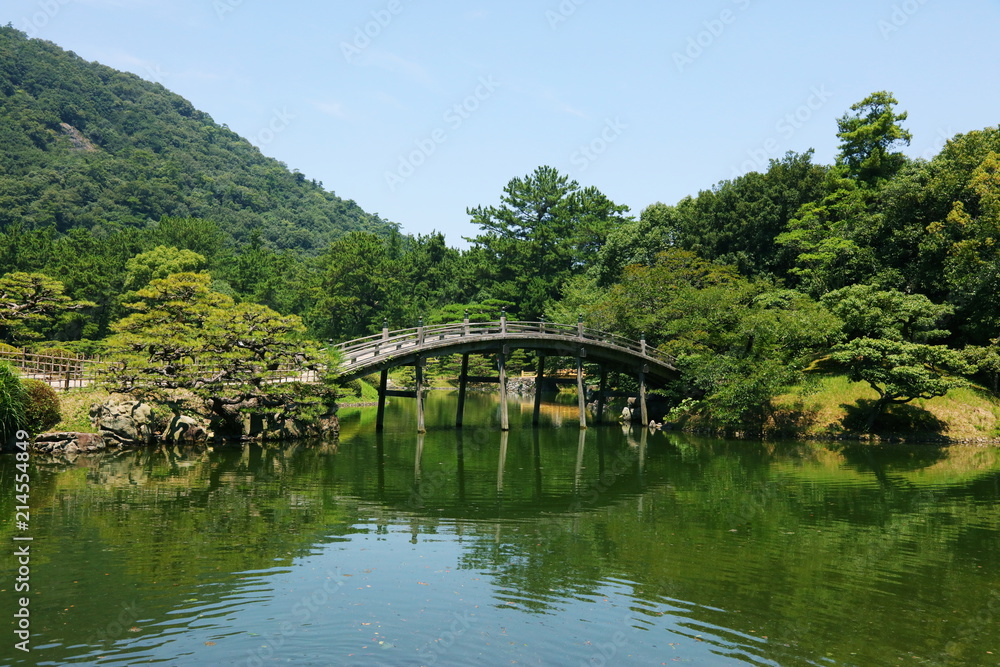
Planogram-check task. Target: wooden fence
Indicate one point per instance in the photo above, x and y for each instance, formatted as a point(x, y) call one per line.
point(63, 373)
point(59, 372)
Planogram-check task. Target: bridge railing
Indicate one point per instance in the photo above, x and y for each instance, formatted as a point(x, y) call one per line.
point(388, 342)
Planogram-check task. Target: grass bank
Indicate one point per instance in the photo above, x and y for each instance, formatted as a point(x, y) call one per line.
point(836, 407)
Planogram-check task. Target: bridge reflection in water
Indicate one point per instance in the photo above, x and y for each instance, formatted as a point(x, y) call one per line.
point(411, 347)
point(430, 482)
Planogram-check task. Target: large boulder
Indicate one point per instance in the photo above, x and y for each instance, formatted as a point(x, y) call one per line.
point(185, 430)
point(68, 443)
point(124, 423)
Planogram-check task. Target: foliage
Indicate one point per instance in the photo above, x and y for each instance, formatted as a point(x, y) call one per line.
point(89, 147)
point(546, 228)
point(160, 262)
point(360, 284)
point(900, 371)
point(184, 336)
point(738, 342)
point(42, 409)
point(13, 403)
point(868, 136)
point(637, 242)
point(868, 312)
point(737, 221)
point(27, 299)
point(985, 362)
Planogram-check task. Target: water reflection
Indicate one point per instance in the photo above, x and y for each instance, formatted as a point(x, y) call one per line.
point(557, 546)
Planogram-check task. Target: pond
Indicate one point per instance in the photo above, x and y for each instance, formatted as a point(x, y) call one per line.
point(546, 546)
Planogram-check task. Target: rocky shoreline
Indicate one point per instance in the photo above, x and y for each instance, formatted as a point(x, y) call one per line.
point(125, 423)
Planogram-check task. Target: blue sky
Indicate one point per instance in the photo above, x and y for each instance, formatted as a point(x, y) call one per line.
point(418, 110)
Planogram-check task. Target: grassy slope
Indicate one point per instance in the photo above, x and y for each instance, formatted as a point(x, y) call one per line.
point(836, 407)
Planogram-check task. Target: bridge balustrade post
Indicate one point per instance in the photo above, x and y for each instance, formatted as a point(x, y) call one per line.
point(579, 325)
point(503, 321)
point(541, 324)
point(465, 324)
point(642, 343)
point(420, 333)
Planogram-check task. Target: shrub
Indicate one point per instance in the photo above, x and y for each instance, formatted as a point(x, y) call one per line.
point(13, 403)
point(42, 410)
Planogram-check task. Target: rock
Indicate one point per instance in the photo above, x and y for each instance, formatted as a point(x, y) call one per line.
point(626, 414)
point(184, 429)
point(519, 386)
point(68, 443)
point(124, 423)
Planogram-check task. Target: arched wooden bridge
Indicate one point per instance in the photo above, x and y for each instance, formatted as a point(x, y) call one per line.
point(410, 347)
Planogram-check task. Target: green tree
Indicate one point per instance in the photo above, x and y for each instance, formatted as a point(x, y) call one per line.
point(868, 312)
point(738, 342)
point(985, 361)
point(28, 300)
point(360, 284)
point(159, 263)
point(822, 238)
point(737, 221)
point(546, 228)
point(637, 242)
point(868, 137)
point(900, 371)
point(184, 336)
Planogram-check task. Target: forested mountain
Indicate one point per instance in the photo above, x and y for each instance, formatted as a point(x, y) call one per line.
point(85, 146)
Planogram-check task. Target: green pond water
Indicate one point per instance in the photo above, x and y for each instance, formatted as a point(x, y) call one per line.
point(546, 546)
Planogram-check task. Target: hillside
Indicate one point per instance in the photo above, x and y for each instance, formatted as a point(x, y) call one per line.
point(86, 146)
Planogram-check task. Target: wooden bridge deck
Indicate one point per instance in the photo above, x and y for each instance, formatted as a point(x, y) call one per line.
point(401, 348)
point(409, 347)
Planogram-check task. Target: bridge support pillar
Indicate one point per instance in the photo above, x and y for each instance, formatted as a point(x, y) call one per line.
point(581, 390)
point(642, 395)
point(463, 380)
point(502, 363)
point(539, 378)
point(421, 428)
point(599, 418)
point(382, 385)
point(504, 435)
